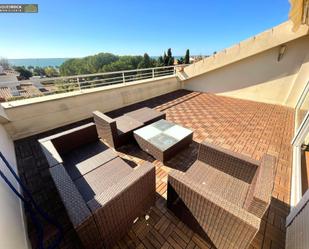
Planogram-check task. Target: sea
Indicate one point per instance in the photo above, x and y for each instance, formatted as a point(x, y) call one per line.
point(37, 62)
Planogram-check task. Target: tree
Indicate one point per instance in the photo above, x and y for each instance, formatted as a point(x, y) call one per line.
point(160, 62)
point(24, 74)
point(4, 63)
point(102, 62)
point(147, 62)
point(87, 65)
point(187, 57)
point(106, 62)
point(165, 59)
point(171, 61)
point(180, 60)
point(95, 63)
point(168, 58)
point(30, 68)
point(39, 71)
point(123, 63)
point(51, 72)
point(119, 65)
point(169, 53)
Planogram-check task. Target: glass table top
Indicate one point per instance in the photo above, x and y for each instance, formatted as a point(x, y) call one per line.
point(163, 134)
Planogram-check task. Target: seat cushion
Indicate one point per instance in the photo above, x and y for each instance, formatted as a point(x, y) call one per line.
point(224, 185)
point(101, 178)
point(127, 124)
point(87, 158)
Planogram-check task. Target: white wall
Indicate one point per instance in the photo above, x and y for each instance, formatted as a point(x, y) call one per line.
point(259, 78)
point(299, 84)
point(12, 226)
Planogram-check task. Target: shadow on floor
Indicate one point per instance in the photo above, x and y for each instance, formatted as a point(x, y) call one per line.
point(272, 231)
point(132, 152)
point(185, 158)
point(165, 101)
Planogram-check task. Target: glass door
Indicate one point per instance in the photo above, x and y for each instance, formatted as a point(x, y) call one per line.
point(300, 169)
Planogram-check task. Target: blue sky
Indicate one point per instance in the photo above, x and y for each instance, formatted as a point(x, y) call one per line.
point(79, 28)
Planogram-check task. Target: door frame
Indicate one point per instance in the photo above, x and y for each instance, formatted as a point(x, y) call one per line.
point(297, 141)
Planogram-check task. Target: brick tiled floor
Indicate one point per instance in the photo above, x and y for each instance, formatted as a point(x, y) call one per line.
point(248, 127)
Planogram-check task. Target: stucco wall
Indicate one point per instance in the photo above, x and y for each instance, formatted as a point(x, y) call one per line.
point(12, 228)
point(268, 39)
point(299, 84)
point(260, 77)
point(32, 116)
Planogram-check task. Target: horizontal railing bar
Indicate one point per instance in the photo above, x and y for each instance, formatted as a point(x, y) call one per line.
point(112, 78)
point(120, 77)
point(82, 82)
point(115, 82)
point(164, 72)
point(150, 73)
point(103, 84)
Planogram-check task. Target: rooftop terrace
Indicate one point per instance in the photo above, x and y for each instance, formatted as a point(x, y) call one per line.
point(251, 128)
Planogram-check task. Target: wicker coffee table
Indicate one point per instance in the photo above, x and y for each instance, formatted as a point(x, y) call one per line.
point(163, 139)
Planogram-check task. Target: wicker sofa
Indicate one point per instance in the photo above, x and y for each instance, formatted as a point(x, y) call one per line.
point(102, 194)
point(223, 195)
point(119, 131)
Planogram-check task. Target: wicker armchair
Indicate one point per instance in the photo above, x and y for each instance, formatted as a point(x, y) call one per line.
point(119, 131)
point(102, 194)
point(223, 195)
point(116, 132)
point(146, 115)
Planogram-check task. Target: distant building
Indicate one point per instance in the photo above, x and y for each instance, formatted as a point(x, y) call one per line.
point(8, 78)
point(197, 58)
point(10, 87)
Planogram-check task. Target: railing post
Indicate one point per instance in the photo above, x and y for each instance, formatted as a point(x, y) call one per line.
point(174, 70)
point(123, 78)
point(78, 84)
point(153, 75)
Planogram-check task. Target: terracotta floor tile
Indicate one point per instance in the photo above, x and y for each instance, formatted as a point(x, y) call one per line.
point(247, 127)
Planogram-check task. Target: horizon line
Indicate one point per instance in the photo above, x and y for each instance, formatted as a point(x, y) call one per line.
point(31, 58)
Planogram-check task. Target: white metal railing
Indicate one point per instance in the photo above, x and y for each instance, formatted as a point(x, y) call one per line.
point(46, 86)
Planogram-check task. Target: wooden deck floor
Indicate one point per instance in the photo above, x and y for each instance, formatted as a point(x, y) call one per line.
point(248, 127)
